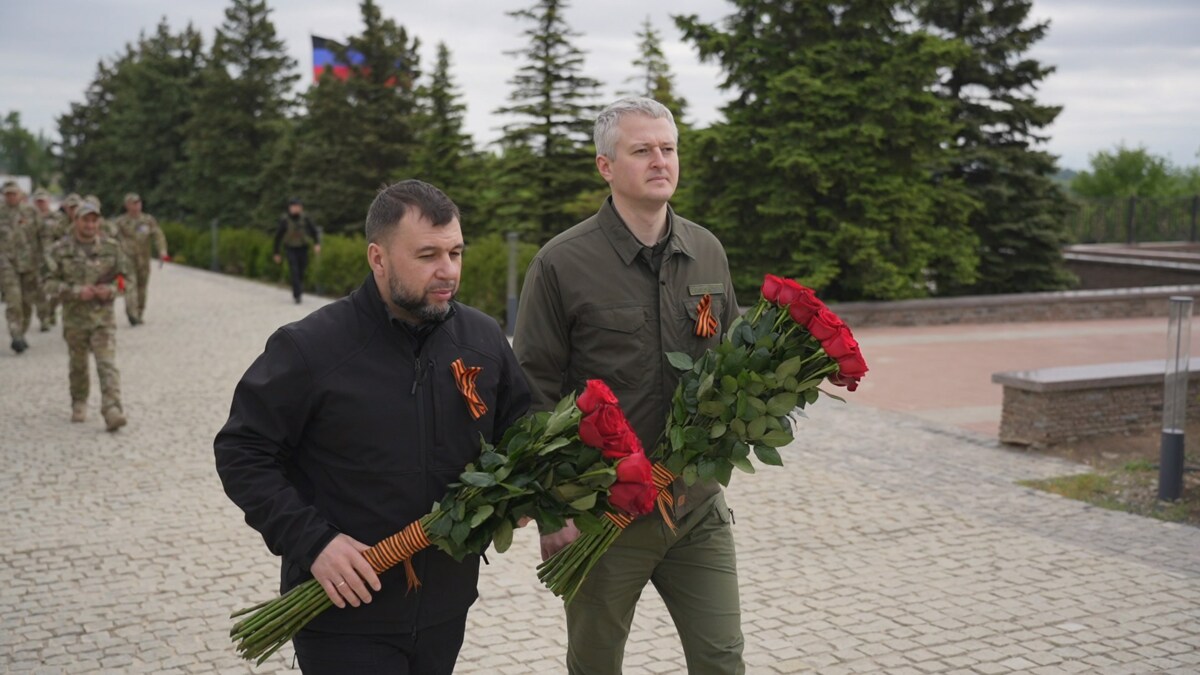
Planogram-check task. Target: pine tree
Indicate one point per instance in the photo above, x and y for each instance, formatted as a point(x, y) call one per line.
point(240, 117)
point(129, 134)
point(830, 165)
point(548, 155)
point(654, 79)
point(1021, 221)
point(445, 155)
point(358, 134)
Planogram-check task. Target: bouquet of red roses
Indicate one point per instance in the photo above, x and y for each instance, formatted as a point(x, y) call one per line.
point(581, 461)
point(734, 401)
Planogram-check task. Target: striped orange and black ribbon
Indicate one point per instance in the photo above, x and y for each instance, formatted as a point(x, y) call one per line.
point(464, 377)
point(399, 548)
point(663, 477)
point(706, 323)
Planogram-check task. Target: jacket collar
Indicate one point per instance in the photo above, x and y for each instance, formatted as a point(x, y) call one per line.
point(370, 300)
point(627, 246)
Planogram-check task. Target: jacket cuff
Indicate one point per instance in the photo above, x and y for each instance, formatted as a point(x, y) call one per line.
point(310, 556)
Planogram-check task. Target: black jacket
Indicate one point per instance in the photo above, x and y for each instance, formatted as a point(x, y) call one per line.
point(341, 425)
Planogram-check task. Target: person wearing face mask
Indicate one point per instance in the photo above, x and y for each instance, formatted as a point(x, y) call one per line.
point(352, 423)
point(295, 232)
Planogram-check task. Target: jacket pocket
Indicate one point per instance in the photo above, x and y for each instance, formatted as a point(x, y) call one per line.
point(613, 343)
point(686, 322)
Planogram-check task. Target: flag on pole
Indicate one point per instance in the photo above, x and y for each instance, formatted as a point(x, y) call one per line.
point(326, 56)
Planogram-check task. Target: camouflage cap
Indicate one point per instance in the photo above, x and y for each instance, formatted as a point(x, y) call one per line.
point(93, 199)
point(86, 207)
point(132, 197)
point(41, 194)
point(11, 186)
point(72, 200)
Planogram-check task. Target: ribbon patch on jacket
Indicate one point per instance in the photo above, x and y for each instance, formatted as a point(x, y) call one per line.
point(464, 377)
point(706, 323)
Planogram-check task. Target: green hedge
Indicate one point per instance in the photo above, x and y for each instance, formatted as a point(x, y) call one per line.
point(342, 265)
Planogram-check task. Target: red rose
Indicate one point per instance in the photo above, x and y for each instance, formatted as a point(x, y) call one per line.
point(853, 365)
point(771, 286)
point(608, 431)
point(595, 394)
point(850, 383)
point(841, 345)
point(634, 492)
point(824, 324)
point(790, 291)
point(805, 306)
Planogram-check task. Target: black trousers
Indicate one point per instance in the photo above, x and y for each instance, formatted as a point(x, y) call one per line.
point(432, 651)
point(297, 258)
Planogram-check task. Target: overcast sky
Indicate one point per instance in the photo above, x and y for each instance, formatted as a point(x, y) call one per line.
point(1128, 72)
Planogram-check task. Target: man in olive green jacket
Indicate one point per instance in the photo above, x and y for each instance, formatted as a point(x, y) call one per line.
point(607, 299)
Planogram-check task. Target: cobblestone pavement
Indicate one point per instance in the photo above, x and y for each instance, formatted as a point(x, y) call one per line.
point(889, 543)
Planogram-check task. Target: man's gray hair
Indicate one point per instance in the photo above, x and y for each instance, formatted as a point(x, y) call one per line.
point(605, 132)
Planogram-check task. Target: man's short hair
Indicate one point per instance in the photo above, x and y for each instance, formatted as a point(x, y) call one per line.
point(394, 201)
point(605, 132)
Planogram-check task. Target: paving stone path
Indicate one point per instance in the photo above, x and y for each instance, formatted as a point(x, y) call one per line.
point(888, 544)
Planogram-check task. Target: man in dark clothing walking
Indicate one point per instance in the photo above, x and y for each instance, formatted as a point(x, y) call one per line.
point(350, 425)
point(294, 232)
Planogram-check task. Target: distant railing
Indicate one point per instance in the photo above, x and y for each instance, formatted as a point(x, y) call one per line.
point(1134, 220)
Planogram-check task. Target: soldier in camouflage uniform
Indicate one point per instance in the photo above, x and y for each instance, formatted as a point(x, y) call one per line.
point(83, 270)
point(137, 231)
point(55, 226)
point(48, 228)
point(18, 267)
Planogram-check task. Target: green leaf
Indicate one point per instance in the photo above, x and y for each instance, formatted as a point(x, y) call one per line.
point(478, 478)
point(781, 404)
point(705, 469)
point(717, 430)
point(744, 464)
point(776, 439)
point(729, 384)
point(676, 438)
point(458, 534)
point(490, 460)
point(808, 384)
point(569, 492)
point(756, 428)
point(482, 514)
point(502, 537)
point(713, 409)
point(554, 445)
point(441, 527)
point(724, 472)
point(589, 524)
point(738, 426)
point(768, 455)
point(680, 361)
point(832, 396)
point(585, 503)
point(689, 474)
point(811, 395)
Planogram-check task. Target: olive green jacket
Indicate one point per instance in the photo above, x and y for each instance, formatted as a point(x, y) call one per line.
point(591, 307)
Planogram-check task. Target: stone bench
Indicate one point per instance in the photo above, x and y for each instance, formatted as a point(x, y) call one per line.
point(1053, 405)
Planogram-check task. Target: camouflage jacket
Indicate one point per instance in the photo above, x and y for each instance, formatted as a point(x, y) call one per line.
point(16, 251)
point(135, 235)
point(71, 265)
point(55, 226)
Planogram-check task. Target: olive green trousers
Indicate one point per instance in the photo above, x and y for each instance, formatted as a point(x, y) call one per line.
point(694, 570)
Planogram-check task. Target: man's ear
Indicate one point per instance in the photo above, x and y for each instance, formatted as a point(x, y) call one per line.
point(604, 166)
point(375, 257)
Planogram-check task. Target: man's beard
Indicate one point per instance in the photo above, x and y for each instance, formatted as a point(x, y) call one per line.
point(415, 304)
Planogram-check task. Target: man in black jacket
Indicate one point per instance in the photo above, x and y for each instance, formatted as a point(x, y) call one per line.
point(349, 426)
point(293, 233)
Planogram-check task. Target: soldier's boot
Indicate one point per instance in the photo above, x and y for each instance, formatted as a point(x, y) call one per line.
point(113, 419)
point(19, 344)
point(79, 411)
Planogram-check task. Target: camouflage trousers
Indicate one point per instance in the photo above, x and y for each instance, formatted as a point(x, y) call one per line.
point(20, 290)
point(47, 307)
point(135, 287)
point(101, 342)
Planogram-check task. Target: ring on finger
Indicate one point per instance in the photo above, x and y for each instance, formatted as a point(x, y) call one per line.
point(340, 584)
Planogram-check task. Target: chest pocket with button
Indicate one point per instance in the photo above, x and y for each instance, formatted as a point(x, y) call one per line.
point(612, 341)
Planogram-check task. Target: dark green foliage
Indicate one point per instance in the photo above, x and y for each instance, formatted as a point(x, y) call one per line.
point(1022, 215)
point(1134, 172)
point(654, 79)
point(128, 134)
point(444, 152)
point(240, 119)
point(22, 153)
point(358, 134)
point(831, 165)
point(548, 158)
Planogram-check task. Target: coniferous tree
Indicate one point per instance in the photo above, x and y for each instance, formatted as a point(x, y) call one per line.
point(358, 133)
point(22, 153)
point(1021, 221)
point(548, 159)
point(129, 135)
point(240, 116)
point(445, 154)
point(653, 78)
point(831, 163)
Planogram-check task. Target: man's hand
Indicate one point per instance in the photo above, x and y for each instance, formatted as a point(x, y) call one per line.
point(103, 292)
point(87, 293)
point(277, 258)
point(344, 573)
point(317, 249)
point(556, 541)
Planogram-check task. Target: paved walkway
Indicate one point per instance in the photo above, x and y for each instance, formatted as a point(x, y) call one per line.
point(890, 542)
